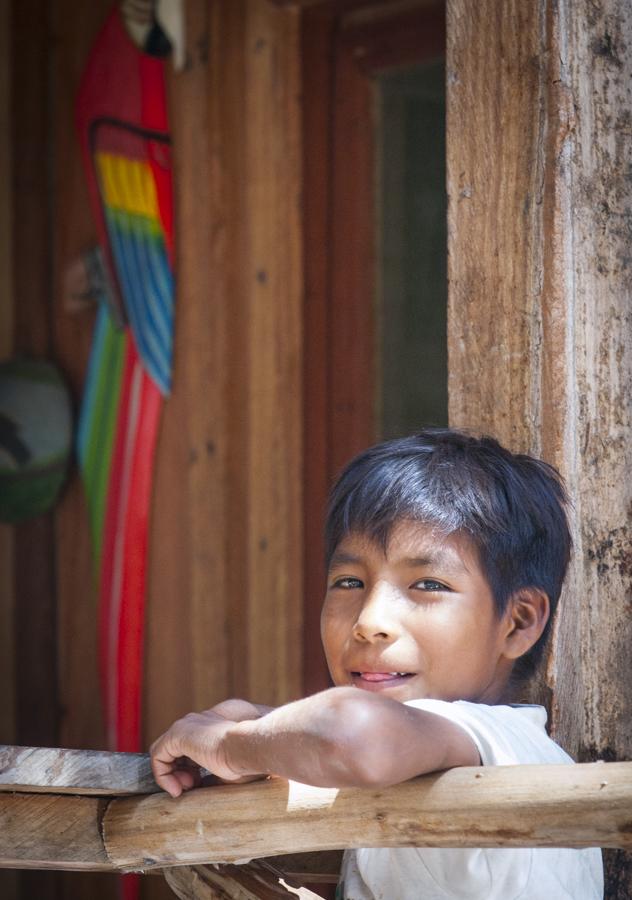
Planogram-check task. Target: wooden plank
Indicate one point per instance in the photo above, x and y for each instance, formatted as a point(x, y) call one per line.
point(35, 601)
point(188, 652)
point(318, 29)
point(229, 529)
point(228, 97)
point(39, 831)
point(201, 318)
point(273, 296)
point(513, 806)
point(42, 769)
point(80, 718)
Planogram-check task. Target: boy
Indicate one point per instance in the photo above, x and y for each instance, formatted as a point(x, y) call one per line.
point(446, 555)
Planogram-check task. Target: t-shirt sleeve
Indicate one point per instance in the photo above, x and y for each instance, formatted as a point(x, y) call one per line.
point(503, 735)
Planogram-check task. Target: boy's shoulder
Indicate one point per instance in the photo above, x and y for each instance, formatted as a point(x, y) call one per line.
point(504, 734)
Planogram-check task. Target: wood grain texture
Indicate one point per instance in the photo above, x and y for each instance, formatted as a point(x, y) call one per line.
point(318, 28)
point(273, 340)
point(494, 173)
point(540, 339)
point(34, 613)
point(513, 806)
point(187, 648)
point(594, 450)
point(540, 336)
point(48, 831)
point(79, 716)
point(591, 401)
point(229, 98)
point(588, 804)
point(224, 601)
point(59, 771)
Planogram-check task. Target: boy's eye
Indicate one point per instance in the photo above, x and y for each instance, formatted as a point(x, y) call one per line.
point(347, 583)
point(429, 584)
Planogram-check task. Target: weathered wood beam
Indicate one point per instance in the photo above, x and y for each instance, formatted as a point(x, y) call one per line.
point(514, 806)
point(511, 806)
point(51, 831)
point(45, 769)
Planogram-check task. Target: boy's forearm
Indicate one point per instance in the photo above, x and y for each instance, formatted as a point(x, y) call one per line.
point(343, 738)
point(306, 741)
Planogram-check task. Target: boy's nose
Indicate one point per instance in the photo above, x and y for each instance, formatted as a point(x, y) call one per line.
point(377, 620)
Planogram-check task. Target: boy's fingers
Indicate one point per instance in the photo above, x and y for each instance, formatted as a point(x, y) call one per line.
point(164, 765)
point(175, 776)
point(170, 782)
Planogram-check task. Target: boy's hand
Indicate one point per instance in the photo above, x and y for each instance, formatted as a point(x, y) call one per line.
point(194, 742)
point(342, 737)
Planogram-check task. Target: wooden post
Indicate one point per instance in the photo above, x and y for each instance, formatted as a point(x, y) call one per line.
point(540, 311)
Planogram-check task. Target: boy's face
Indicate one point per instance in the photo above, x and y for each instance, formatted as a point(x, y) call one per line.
point(416, 621)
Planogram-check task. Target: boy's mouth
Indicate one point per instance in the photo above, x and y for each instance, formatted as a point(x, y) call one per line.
point(375, 681)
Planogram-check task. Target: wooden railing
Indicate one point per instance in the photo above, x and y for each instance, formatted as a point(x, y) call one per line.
point(87, 810)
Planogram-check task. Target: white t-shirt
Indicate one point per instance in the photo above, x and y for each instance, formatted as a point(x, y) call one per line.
point(504, 735)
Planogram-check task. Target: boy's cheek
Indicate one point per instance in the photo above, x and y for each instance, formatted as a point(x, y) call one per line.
point(334, 629)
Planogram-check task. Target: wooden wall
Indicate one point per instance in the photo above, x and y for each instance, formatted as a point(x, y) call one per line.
point(224, 608)
point(223, 598)
point(540, 331)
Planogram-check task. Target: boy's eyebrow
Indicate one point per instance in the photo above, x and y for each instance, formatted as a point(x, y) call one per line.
point(447, 561)
point(344, 559)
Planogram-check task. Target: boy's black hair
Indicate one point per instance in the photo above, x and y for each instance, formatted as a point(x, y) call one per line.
point(512, 507)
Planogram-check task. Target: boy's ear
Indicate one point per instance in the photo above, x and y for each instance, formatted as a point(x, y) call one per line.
point(527, 613)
